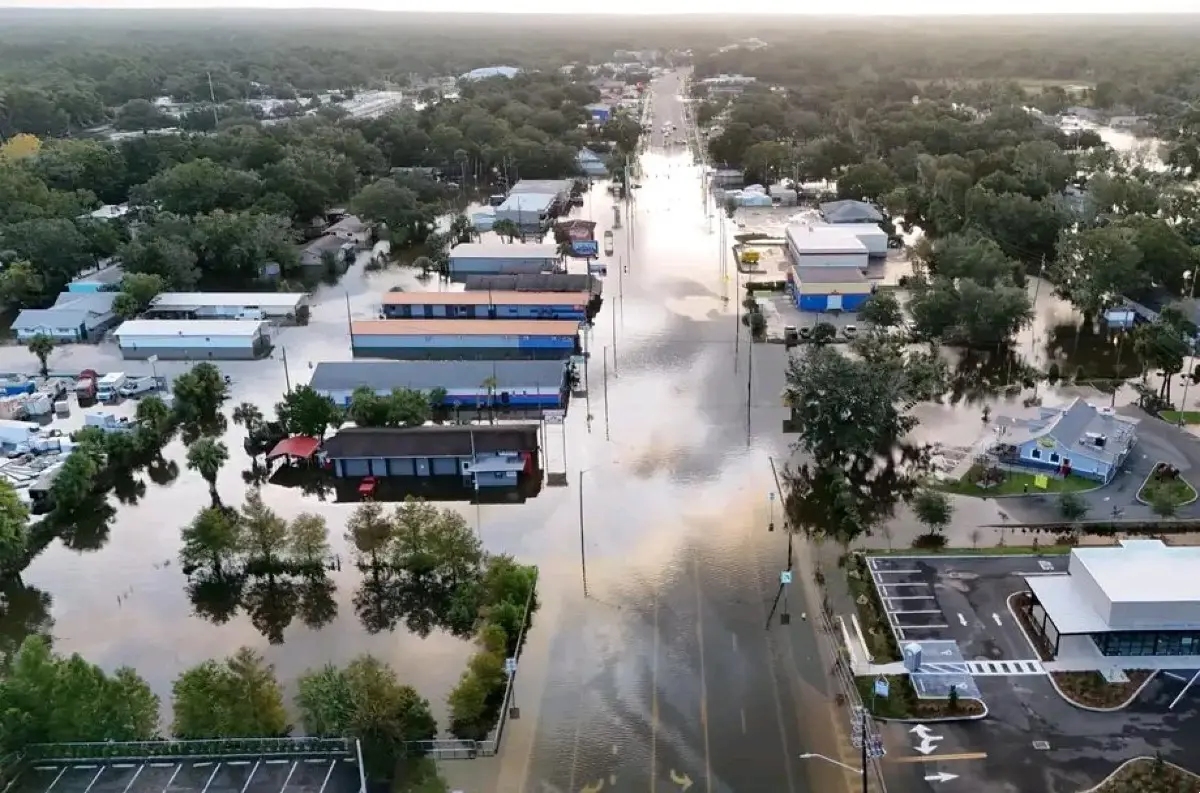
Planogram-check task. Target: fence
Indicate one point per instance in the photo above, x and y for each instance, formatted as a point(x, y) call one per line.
point(134, 751)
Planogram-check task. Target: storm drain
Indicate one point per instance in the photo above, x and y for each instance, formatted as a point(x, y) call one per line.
point(1041, 746)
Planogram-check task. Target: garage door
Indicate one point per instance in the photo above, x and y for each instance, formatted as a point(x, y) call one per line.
point(833, 303)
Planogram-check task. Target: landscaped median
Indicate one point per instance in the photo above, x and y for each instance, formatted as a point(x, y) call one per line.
point(877, 631)
point(1091, 690)
point(1149, 775)
point(1180, 416)
point(902, 702)
point(1165, 490)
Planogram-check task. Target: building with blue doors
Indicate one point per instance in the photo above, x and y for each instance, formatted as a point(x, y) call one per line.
point(496, 385)
point(500, 258)
point(479, 456)
point(486, 305)
point(1080, 439)
point(824, 289)
point(465, 339)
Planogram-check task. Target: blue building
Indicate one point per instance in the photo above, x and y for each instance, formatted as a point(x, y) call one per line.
point(74, 317)
point(500, 258)
point(468, 384)
point(824, 288)
point(478, 456)
point(600, 113)
point(465, 339)
point(486, 305)
point(1080, 439)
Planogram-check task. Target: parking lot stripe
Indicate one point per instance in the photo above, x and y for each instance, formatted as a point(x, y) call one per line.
point(167, 786)
point(133, 779)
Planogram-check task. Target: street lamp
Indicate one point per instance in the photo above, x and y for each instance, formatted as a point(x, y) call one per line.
point(840, 764)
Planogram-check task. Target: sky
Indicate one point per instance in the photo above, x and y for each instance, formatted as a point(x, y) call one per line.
point(789, 7)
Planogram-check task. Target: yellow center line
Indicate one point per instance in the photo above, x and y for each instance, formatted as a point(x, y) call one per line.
point(654, 700)
point(938, 758)
point(703, 680)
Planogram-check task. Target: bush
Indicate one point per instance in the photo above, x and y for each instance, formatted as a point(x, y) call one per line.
point(930, 541)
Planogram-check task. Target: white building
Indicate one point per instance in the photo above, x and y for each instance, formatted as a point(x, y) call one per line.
point(528, 210)
point(825, 246)
point(193, 339)
point(874, 238)
point(229, 305)
point(1139, 600)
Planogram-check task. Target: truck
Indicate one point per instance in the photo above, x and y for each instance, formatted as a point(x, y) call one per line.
point(138, 386)
point(85, 387)
point(109, 386)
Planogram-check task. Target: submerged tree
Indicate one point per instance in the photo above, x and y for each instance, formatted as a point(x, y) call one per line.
point(206, 456)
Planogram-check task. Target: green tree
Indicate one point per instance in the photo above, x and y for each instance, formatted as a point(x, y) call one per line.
point(264, 534)
point(305, 412)
point(868, 181)
point(308, 539)
point(200, 186)
point(882, 310)
point(236, 698)
point(1072, 507)
point(49, 698)
point(365, 700)
point(140, 115)
point(42, 346)
point(14, 529)
point(199, 394)
point(387, 203)
point(212, 539)
point(21, 285)
point(468, 703)
point(249, 416)
point(137, 290)
point(369, 530)
point(206, 456)
point(933, 509)
point(1163, 503)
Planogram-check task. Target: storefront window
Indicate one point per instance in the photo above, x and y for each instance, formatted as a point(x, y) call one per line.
point(1148, 643)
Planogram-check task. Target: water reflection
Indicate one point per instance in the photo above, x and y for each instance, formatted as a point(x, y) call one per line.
point(272, 599)
point(389, 595)
point(24, 612)
point(87, 528)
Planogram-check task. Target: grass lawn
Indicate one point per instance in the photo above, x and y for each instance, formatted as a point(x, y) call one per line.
point(1187, 416)
point(994, 550)
point(902, 701)
point(876, 629)
point(1151, 776)
point(1014, 483)
point(419, 776)
point(1177, 490)
point(1091, 689)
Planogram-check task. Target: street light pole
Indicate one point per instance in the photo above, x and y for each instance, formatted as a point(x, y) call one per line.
point(582, 546)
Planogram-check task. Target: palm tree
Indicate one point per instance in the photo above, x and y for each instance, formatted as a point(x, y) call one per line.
point(490, 384)
point(424, 264)
point(507, 228)
point(206, 456)
point(42, 345)
point(249, 416)
point(461, 157)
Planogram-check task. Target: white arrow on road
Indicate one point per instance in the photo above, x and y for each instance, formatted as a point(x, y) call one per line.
point(683, 780)
point(996, 617)
point(962, 619)
point(928, 744)
point(921, 731)
point(940, 776)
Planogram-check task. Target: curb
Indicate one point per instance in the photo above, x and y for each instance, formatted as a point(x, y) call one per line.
point(1142, 486)
point(1013, 613)
point(943, 720)
point(1092, 708)
point(1100, 787)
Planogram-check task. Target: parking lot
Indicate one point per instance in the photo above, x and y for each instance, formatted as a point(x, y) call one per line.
point(199, 776)
point(956, 609)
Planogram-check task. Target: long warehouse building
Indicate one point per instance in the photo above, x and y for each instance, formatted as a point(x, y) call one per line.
point(486, 305)
point(468, 384)
point(465, 339)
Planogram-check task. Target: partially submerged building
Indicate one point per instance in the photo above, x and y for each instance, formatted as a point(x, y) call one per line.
point(500, 258)
point(478, 456)
point(486, 305)
point(465, 339)
point(468, 384)
point(825, 246)
point(194, 339)
point(1080, 439)
point(849, 211)
point(530, 211)
point(823, 289)
point(229, 305)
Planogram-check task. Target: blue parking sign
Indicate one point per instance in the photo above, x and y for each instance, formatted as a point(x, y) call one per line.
point(881, 687)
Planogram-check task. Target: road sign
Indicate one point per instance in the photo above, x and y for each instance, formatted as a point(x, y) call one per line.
point(785, 577)
point(554, 416)
point(881, 687)
point(771, 496)
point(510, 666)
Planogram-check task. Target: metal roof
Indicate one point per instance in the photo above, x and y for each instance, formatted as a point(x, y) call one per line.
point(330, 376)
point(189, 328)
point(829, 275)
point(527, 202)
point(486, 299)
point(823, 239)
point(850, 211)
point(553, 186)
point(95, 302)
point(535, 282)
point(430, 441)
point(464, 327)
point(53, 318)
point(182, 300)
point(504, 250)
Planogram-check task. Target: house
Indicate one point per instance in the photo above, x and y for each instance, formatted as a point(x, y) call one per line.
point(592, 164)
point(850, 212)
point(480, 456)
point(468, 384)
point(528, 210)
point(465, 339)
point(106, 279)
point(500, 258)
point(486, 305)
point(291, 306)
point(825, 246)
point(828, 288)
point(315, 253)
point(1080, 439)
point(560, 188)
point(74, 317)
point(727, 84)
point(351, 229)
point(1135, 605)
point(194, 339)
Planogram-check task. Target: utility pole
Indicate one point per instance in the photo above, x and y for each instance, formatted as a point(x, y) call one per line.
point(582, 545)
point(287, 380)
point(607, 437)
point(212, 94)
point(614, 340)
point(1187, 380)
point(864, 750)
point(749, 388)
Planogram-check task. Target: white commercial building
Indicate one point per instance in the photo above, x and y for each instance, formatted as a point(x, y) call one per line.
point(528, 210)
point(194, 339)
point(229, 305)
point(1139, 600)
point(825, 246)
point(871, 236)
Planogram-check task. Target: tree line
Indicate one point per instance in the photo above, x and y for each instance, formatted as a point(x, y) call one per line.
point(213, 209)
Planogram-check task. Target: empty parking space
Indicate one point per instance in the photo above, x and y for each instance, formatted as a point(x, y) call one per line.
point(270, 776)
point(311, 777)
point(191, 777)
point(917, 619)
point(114, 778)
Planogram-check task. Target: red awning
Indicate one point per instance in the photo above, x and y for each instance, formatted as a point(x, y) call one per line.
point(301, 446)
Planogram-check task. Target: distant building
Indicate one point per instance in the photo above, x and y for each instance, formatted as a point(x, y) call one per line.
point(549, 282)
point(194, 339)
point(465, 339)
point(559, 188)
point(529, 210)
point(728, 83)
point(486, 305)
point(600, 113)
point(592, 164)
point(488, 456)
point(228, 305)
point(1080, 439)
point(850, 212)
point(468, 384)
point(314, 253)
point(351, 229)
point(74, 317)
point(487, 72)
point(499, 258)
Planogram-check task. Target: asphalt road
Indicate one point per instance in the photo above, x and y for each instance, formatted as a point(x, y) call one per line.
point(666, 675)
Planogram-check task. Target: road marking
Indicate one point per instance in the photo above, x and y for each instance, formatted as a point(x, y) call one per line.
point(735, 644)
point(683, 780)
point(743, 713)
point(996, 617)
point(909, 571)
point(962, 620)
point(917, 611)
point(940, 776)
point(920, 758)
